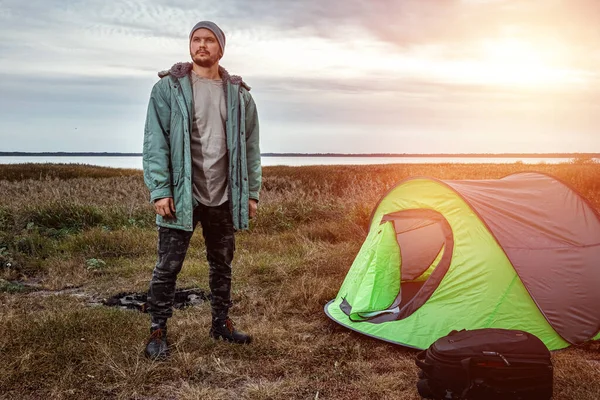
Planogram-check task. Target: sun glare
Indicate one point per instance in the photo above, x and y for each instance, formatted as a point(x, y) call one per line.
point(520, 62)
point(500, 61)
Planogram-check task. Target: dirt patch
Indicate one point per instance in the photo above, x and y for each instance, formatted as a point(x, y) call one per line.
point(137, 301)
point(184, 297)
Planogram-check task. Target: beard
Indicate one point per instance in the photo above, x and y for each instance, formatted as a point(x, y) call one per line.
point(206, 62)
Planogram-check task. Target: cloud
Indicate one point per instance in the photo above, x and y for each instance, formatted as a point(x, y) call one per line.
point(407, 22)
point(415, 21)
point(445, 29)
point(395, 114)
point(314, 68)
point(452, 26)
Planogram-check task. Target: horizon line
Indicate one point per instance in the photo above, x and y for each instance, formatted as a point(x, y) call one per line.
point(320, 154)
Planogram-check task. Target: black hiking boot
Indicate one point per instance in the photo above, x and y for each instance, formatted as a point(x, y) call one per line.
point(157, 348)
point(224, 329)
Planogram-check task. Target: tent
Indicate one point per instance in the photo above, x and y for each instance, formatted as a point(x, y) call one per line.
point(521, 252)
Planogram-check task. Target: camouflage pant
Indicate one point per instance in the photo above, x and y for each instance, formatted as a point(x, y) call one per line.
point(218, 232)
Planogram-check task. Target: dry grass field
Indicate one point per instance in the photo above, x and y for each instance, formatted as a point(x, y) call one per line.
point(71, 236)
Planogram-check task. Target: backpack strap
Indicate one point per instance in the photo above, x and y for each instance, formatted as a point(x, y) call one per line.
point(422, 363)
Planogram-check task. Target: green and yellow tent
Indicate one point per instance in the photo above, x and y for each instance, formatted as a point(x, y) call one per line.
point(521, 252)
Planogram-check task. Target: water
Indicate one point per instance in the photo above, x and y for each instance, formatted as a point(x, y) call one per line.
point(135, 162)
point(298, 161)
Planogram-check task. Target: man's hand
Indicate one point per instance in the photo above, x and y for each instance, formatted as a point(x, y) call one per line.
point(252, 207)
point(165, 207)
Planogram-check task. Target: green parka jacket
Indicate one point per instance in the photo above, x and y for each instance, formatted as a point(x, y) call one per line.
point(166, 155)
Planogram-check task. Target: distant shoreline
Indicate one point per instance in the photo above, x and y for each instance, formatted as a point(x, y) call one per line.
point(395, 155)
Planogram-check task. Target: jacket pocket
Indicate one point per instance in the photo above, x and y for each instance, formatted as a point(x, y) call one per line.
point(175, 178)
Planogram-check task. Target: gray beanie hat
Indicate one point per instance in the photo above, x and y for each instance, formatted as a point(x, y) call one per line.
point(211, 26)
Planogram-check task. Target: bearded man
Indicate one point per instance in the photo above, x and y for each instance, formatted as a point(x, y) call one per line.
point(202, 164)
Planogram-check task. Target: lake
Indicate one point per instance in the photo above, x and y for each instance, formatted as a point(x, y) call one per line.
point(135, 162)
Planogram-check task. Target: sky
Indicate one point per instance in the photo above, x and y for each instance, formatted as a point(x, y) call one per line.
point(328, 76)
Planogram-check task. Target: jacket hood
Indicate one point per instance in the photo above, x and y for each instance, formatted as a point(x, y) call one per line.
point(181, 69)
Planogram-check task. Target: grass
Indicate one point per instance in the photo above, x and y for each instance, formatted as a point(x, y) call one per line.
point(81, 232)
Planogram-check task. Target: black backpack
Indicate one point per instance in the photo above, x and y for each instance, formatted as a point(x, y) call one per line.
point(486, 364)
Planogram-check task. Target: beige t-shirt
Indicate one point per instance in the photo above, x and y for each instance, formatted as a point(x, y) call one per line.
point(209, 142)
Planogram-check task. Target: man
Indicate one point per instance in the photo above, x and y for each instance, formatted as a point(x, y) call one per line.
point(201, 164)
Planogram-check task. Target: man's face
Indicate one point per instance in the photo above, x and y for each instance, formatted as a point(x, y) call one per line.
point(204, 48)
